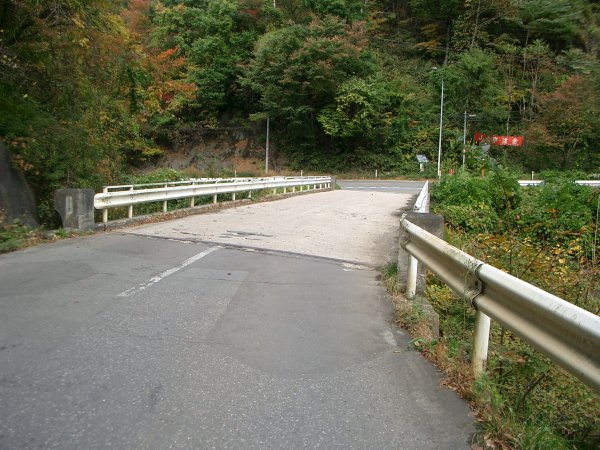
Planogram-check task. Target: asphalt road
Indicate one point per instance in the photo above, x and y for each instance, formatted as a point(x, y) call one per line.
point(146, 341)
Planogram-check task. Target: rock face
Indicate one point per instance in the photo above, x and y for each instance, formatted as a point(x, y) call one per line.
point(241, 150)
point(16, 198)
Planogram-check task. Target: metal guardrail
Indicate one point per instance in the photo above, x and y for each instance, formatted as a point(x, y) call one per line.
point(421, 206)
point(591, 183)
point(422, 203)
point(565, 333)
point(131, 195)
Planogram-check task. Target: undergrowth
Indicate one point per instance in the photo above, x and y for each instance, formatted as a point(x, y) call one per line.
point(15, 235)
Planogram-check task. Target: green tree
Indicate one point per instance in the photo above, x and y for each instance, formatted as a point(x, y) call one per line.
point(538, 67)
point(64, 103)
point(347, 9)
point(472, 83)
point(297, 70)
point(216, 37)
point(477, 24)
point(355, 109)
point(553, 20)
point(435, 20)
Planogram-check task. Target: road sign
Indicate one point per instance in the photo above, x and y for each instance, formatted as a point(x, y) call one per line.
point(507, 141)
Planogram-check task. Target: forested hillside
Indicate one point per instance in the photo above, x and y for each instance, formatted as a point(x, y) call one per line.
point(91, 88)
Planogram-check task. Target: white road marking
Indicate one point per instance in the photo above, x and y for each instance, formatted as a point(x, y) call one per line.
point(161, 276)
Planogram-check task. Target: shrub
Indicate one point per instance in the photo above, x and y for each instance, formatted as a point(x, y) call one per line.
point(472, 218)
point(559, 211)
point(477, 204)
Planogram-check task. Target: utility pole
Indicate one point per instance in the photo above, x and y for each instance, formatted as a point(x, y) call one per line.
point(465, 138)
point(439, 161)
point(267, 148)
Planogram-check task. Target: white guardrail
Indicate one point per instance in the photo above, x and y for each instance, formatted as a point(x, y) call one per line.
point(422, 203)
point(591, 183)
point(135, 194)
point(565, 333)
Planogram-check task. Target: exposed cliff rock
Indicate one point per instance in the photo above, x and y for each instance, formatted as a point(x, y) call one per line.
point(16, 198)
point(219, 150)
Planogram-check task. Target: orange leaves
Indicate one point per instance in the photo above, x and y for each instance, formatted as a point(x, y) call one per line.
point(167, 54)
point(167, 62)
point(169, 91)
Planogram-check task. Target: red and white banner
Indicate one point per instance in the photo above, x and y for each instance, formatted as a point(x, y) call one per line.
point(510, 141)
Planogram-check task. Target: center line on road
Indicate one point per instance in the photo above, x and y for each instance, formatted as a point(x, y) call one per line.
point(161, 276)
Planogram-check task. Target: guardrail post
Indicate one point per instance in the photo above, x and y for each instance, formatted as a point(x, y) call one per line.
point(130, 209)
point(105, 210)
point(193, 198)
point(165, 203)
point(481, 337)
point(434, 224)
point(411, 276)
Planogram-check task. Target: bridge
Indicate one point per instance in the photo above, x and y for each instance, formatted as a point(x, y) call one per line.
point(142, 336)
point(261, 326)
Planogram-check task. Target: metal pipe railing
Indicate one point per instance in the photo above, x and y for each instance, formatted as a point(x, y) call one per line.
point(128, 195)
